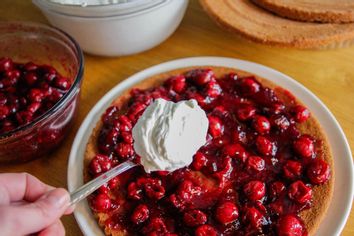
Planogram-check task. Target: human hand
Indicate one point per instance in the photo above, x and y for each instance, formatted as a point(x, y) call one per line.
point(28, 206)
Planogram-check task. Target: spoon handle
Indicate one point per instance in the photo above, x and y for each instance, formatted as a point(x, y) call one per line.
point(94, 184)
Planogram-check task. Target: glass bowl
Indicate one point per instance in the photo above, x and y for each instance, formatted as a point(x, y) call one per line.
point(43, 45)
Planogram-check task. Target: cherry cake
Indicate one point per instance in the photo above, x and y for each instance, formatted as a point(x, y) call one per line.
point(265, 169)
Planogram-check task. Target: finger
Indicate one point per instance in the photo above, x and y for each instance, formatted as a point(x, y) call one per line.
point(56, 229)
point(69, 210)
point(35, 216)
point(21, 186)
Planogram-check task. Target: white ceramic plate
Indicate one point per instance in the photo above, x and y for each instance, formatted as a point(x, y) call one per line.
point(340, 206)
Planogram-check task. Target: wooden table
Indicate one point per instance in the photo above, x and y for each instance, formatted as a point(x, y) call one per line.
point(328, 74)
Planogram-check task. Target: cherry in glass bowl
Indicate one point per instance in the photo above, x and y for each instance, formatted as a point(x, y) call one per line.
point(38, 44)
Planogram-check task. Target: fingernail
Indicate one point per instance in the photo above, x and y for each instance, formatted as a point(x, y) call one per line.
point(58, 198)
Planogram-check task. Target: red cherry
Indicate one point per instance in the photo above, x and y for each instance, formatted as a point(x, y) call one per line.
point(226, 213)
point(123, 124)
point(103, 189)
point(254, 190)
point(176, 83)
point(136, 110)
point(201, 100)
point(277, 108)
point(30, 66)
point(124, 150)
point(140, 214)
point(236, 150)
point(61, 83)
point(110, 115)
point(199, 161)
point(301, 113)
point(206, 230)
point(318, 171)
point(33, 107)
point(35, 95)
point(249, 86)
point(101, 203)
point(127, 137)
point(213, 89)
point(290, 225)
point(13, 74)
point(200, 76)
point(253, 217)
point(299, 192)
point(245, 112)
point(5, 64)
point(100, 163)
point(292, 169)
point(134, 191)
point(221, 141)
point(261, 124)
point(265, 146)
point(113, 183)
point(111, 137)
point(186, 190)
point(177, 202)
point(55, 96)
point(48, 72)
point(304, 146)
point(193, 218)
point(255, 163)
point(31, 78)
point(216, 127)
point(4, 112)
point(154, 189)
point(224, 170)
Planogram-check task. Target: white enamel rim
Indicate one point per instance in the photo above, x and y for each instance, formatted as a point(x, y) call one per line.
point(340, 206)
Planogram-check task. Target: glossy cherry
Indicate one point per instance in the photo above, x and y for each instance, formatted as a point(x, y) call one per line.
point(254, 190)
point(290, 225)
point(304, 146)
point(226, 213)
point(101, 203)
point(318, 171)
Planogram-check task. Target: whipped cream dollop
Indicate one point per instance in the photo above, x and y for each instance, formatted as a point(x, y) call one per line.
point(168, 134)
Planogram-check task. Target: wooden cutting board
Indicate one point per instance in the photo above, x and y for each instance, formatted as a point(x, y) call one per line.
point(325, 11)
point(257, 24)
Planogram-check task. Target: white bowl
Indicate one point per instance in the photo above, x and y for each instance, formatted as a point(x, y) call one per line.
point(117, 29)
point(340, 205)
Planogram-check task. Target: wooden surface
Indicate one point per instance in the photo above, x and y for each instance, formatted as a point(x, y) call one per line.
point(328, 74)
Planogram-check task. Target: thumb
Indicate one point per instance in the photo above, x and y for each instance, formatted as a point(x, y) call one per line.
point(38, 215)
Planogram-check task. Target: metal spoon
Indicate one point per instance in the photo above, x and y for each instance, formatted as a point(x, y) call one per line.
point(94, 184)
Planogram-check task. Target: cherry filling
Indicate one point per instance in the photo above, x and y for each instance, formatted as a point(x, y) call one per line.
point(253, 176)
point(27, 91)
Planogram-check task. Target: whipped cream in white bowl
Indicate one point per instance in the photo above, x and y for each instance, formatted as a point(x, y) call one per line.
point(168, 134)
point(115, 29)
